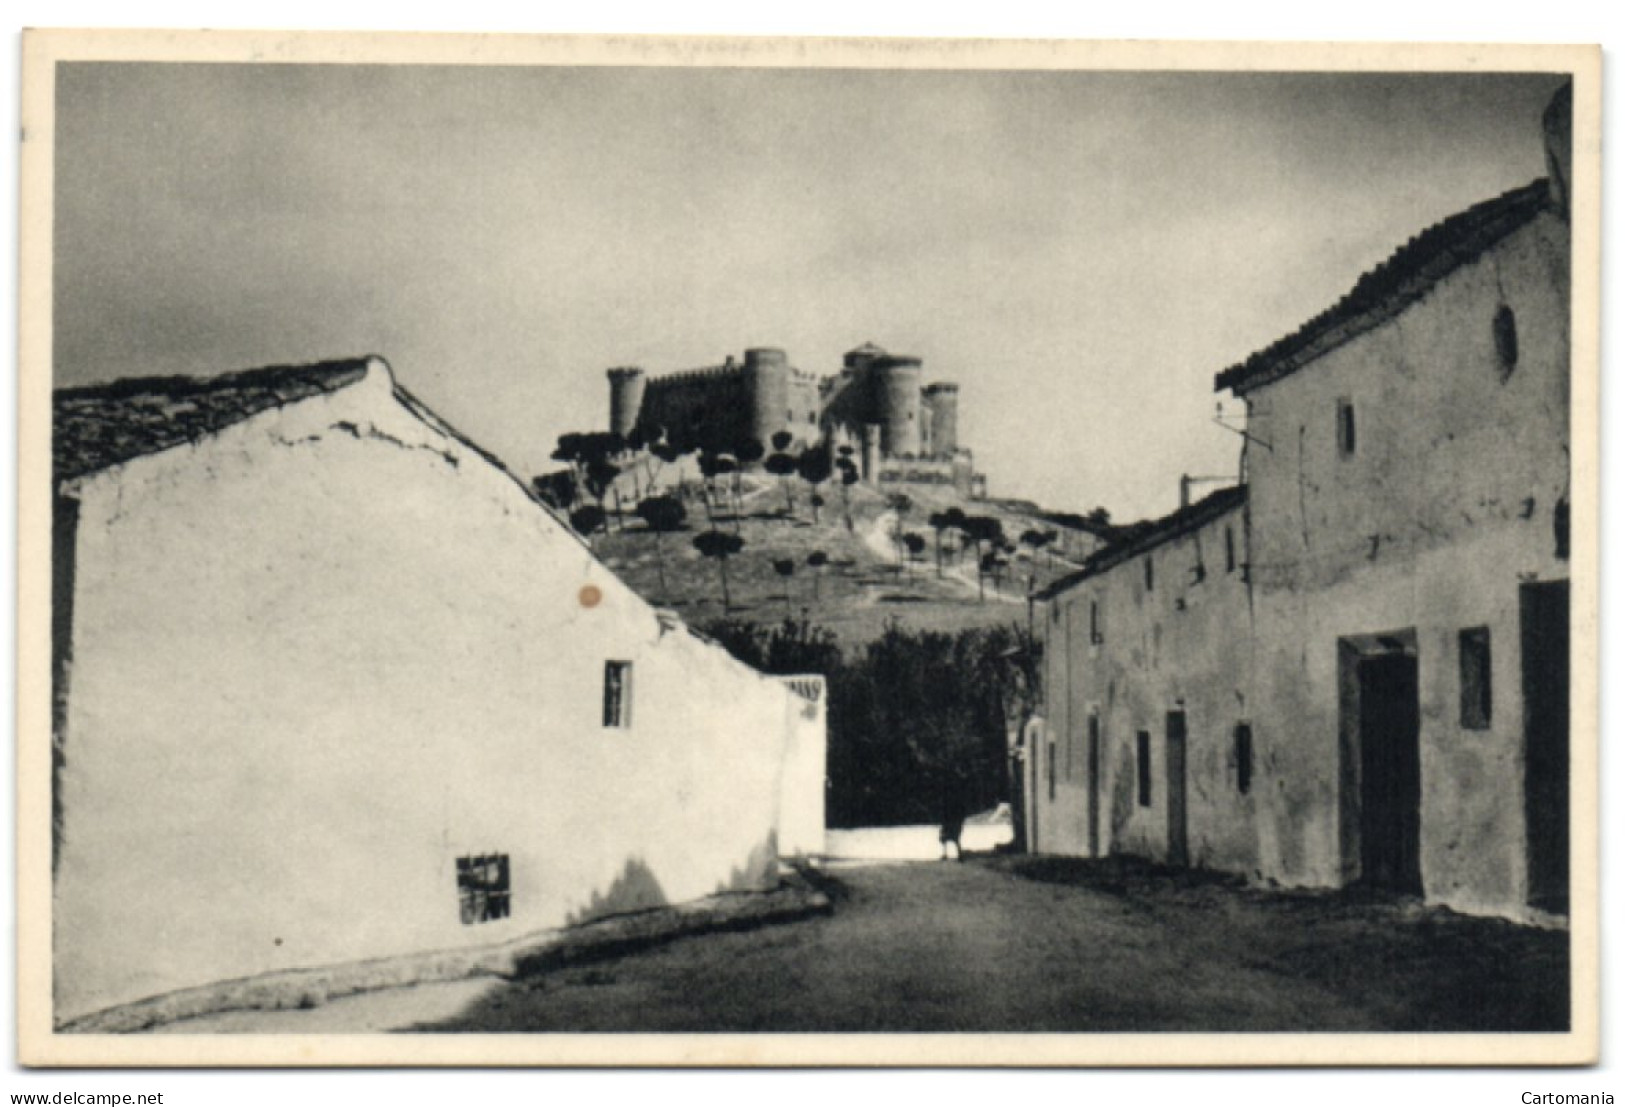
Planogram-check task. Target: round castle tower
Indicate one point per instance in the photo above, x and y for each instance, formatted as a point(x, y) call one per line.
point(895, 382)
point(942, 404)
point(626, 387)
point(766, 378)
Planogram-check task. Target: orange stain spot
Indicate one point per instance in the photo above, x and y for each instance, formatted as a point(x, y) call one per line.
point(590, 595)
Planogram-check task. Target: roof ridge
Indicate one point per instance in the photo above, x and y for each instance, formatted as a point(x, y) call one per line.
point(1406, 274)
point(98, 426)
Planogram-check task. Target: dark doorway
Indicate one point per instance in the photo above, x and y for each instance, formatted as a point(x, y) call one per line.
point(1543, 611)
point(1177, 851)
point(1390, 772)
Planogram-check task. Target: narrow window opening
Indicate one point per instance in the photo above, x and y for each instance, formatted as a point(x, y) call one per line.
point(1150, 578)
point(1095, 636)
point(1506, 340)
point(483, 891)
point(1142, 743)
point(1473, 649)
point(1052, 772)
point(1244, 757)
point(1229, 550)
point(618, 694)
point(1345, 427)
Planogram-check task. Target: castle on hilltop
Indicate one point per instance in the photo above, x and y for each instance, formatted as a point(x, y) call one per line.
point(899, 431)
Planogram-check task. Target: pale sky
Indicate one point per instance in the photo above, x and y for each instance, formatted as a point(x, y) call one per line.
point(1081, 252)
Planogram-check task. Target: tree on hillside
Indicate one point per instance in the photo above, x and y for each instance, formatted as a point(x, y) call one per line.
point(814, 468)
point(848, 470)
point(900, 504)
point(784, 465)
point(916, 545)
point(816, 562)
point(987, 533)
point(588, 519)
point(663, 515)
point(786, 568)
point(721, 546)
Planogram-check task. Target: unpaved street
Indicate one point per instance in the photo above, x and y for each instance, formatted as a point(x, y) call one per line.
point(1047, 944)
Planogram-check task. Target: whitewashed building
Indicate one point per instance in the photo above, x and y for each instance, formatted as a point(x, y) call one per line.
point(331, 685)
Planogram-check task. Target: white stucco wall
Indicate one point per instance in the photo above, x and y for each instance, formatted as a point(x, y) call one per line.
point(805, 767)
point(1184, 645)
point(319, 656)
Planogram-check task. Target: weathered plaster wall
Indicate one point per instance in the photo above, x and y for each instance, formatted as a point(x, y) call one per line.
point(1183, 645)
point(805, 767)
point(320, 656)
point(1445, 505)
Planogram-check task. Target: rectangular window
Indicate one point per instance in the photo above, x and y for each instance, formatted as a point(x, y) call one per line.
point(1244, 757)
point(1095, 636)
point(1229, 550)
point(1142, 742)
point(1052, 772)
point(1474, 651)
point(618, 693)
point(1345, 427)
point(1150, 581)
point(482, 888)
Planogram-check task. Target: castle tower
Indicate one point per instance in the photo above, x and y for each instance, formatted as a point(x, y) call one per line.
point(767, 393)
point(626, 385)
point(942, 402)
point(895, 388)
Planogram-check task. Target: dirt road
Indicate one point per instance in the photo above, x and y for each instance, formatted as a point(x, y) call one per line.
point(1045, 944)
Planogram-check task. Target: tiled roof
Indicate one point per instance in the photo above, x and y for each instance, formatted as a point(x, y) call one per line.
point(1137, 538)
point(1392, 286)
point(102, 425)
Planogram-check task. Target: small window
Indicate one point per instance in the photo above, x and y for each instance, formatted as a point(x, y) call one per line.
point(1345, 427)
point(1142, 743)
point(1506, 340)
point(1244, 757)
point(1150, 579)
point(482, 888)
point(1229, 550)
point(618, 693)
point(1095, 635)
point(1474, 652)
point(1052, 772)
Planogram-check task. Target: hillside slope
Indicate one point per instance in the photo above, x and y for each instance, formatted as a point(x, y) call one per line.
point(864, 585)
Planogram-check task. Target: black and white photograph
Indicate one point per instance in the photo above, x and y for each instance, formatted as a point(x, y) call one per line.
point(666, 551)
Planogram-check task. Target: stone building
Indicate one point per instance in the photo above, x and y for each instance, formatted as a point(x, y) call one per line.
point(1141, 666)
point(1390, 674)
point(897, 427)
point(331, 685)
